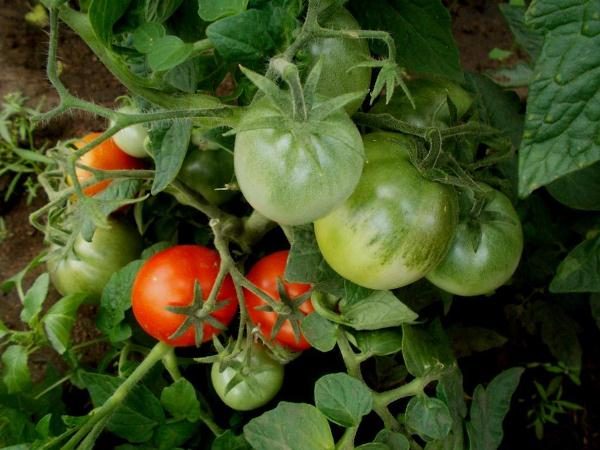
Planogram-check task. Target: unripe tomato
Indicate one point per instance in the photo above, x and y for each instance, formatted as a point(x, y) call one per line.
point(131, 139)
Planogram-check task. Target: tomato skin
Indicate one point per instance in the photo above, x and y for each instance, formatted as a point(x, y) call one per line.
point(296, 175)
point(395, 227)
point(467, 272)
point(91, 264)
point(339, 57)
point(106, 156)
point(131, 139)
point(431, 107)
point(266, 376)
point(205, 171)
point(167, 279)
point(264, 275)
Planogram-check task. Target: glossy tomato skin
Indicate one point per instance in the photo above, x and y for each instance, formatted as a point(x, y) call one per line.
point(167, 279)
point(106, 156)
point(261, 380)
point(294, 175)
point(395, 227)
point(468, 272)
point(90, 265)
point(264, 275)
point(207, 172)
point(431, 106)
point(340, 56)
point(131, 139)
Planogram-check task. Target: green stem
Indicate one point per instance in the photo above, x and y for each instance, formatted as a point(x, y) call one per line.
point(346, 442)
point(170, 363)
point(255, 227)
point(117, 398)
point(352, 364)
point(410, 389)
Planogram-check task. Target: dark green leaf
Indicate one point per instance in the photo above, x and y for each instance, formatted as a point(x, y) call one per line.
point(171, 435)
point(373, 446)
point(15, 372)
point(103, 15)
point(319, 332)
point(59, 321)
point(137, 417)
point(422, 32)
point(395, 441)
point(450, 390)
point(168, 52)
point(211, 10)
point(469, 340)
point(3, 330)
point(146, 36)
point(381, 309)
point(34, 298)
point(343, 399)
point(229, 441)
point(160, 10)
point(595, 308)
point(16, 427)
point(528, 38)
point(426, 349)
point(379, 342)
point(429, 417)
point(580, 270)
point(579, 190)
point(290, 426)
point(562, 133)
point(488, 409)
point(115, 301)
point(171, 153)
point(181, 401)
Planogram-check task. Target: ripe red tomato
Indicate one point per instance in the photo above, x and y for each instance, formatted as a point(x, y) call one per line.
point(167, 279)
point(264, 274)
point(106, 156)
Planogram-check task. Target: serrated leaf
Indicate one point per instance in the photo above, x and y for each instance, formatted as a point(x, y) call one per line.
point(15, 372)
point(319, 332)
point(343, 399)
point(34, 298)
point(168, 52)
point(211, 10)
point(580, 270)
point(181, 401)
point(171, 153)
point(59, 321)
point(562, 133)
point(429, 417)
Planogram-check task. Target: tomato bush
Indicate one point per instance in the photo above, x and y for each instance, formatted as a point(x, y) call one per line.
point(180, 276)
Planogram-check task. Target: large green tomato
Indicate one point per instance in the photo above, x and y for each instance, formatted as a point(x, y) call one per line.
point(294, 172)
point(395, 227)
point(470, 269)
point(340, 56)
point(431, 103)
point(88, 267)
point(254, 382)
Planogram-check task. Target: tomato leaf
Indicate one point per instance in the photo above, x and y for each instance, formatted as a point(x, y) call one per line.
point(211, 10)
point(426, 349)
point(379, 342)
point(319, 332)
point(595, 308)
point(343, 399)
point(34, 298)
point(562, 133)
point(59, 321)
point(103, 15)
point(468, 340)
point(15, 372)
point(429, 417)
point(160, 10)
point(379, 309)
point(393, 440)
point(146, 36)
point(167, 52)
point(488, 409)
point(527, 37)
point(422, 32)
point(229, 441)
point(290, 426)
point(181, 401)
point(578, 190)
point(580, 270)
point(170, 154)
point(173, 435)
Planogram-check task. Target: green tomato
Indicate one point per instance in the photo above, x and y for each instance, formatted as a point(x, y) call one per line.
point(395, 227)
point(340, 56)
point(431, 103)
point(251, 383)
point(207, 172)
point(485, 251)
point(296, 171)
point(89, 266)
point(131, 139)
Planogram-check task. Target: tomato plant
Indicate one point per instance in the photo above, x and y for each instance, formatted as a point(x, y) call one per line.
point(106, 156)
point(280, 322)
point(395, 227)
point(207, 172)
point(249, 381)
point(131, 139)
point(87, 267)
point(172, 286)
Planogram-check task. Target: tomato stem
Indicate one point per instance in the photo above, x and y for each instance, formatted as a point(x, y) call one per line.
point(346, 442)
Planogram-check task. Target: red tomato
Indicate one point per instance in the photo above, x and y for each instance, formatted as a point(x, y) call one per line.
point(264, 274)
point(167, 279)
point(106, 156)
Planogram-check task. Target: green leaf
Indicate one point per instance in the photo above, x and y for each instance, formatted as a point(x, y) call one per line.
point(373, 446)
point(426, 349)
point(34, 298)
point(580, 270)
point(379, 342)
point(469, 340)
point(16, 427)
point(290, 426)
point(4, 330)
point(562, 133)
point(172, 435)
point(103, 15)
point(181, 401)
point(15, 372)
point(229, 441)
point(171, 153)
point(343, 399)
point(211, 10)
point(380, 309)
point(168, 52)
point(395, 441)
point(422, 32)
point(59, 321)
point(147, 35)
point(528, 38)
point(450, 390)
point(578, 190)
point(594, 306)
point(488, 409)
point(137, 417)
point(319, 332)
point(115, 301)
point(160, 10)
point(429, 417)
